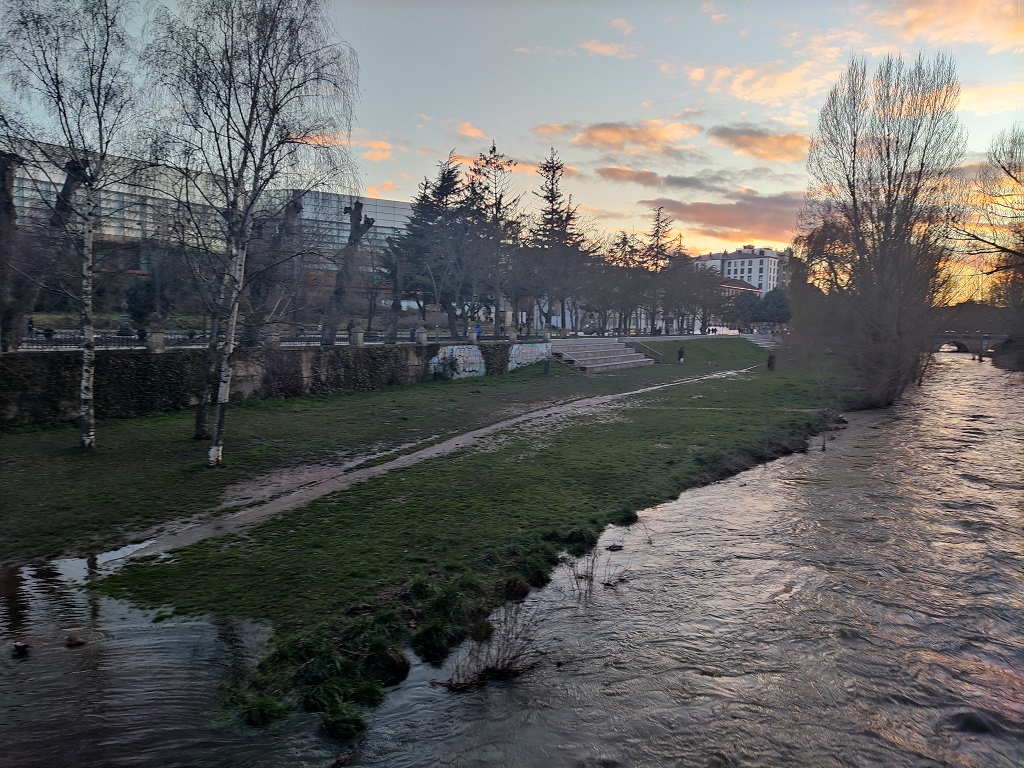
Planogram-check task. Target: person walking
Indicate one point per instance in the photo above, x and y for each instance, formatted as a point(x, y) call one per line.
point(771, 362)
point(680, 354)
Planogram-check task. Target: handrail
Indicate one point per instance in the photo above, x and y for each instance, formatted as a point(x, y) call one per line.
point(650, 351)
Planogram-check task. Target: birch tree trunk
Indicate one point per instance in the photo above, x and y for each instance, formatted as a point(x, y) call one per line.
point(87, 410)
point(216, 455)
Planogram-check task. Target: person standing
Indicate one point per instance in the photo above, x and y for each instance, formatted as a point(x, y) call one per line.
point(680, 354)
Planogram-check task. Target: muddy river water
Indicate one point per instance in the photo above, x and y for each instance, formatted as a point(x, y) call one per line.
point(857, 606)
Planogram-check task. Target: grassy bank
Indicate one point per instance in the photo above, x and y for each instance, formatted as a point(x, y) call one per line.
point(60, 500)
point(421, 555)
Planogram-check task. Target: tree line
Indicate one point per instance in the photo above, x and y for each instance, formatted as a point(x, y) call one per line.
point(235, 114)
point(474, 250)
point(891, 216)
point(217, 107)
point(239, 115)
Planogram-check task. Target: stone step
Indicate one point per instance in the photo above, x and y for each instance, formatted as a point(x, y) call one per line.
point(597, 355)
point(615, 366)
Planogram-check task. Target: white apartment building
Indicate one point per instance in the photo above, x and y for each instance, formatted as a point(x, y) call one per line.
point(764, 268)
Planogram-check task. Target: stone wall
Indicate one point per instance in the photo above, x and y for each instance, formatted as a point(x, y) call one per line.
point(42, 387)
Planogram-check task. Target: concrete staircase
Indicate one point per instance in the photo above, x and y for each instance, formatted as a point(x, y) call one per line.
point(597, 355)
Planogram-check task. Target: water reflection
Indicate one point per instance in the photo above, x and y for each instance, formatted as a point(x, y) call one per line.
point(137, 693)
point(861, 606)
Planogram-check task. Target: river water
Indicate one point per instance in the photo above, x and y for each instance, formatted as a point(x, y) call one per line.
point(858, 606)
point(861, 606)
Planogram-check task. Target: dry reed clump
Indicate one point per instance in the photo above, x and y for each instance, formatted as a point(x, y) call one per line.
point(509, 651)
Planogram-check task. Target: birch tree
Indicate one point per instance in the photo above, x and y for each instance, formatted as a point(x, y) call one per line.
point(74, 110)
point(882, 164)
point(262, 95)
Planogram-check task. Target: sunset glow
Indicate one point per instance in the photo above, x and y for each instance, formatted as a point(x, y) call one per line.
point(704, 108)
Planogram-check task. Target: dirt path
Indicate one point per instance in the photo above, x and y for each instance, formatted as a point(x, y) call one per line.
point(294, 487)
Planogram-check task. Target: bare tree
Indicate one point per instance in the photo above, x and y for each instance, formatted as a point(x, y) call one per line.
point(882, 164)
point(72, 65)
point(262, 94)
point(994, 228)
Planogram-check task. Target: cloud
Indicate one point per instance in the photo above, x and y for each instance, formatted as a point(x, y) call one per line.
point(376, 150)
point(603, 214)
point(613, 50)
point(470, 131)
point(521, 167)
point(991, 99)
point(815, 69)
point(656, 136)
point(749, 215)
point(722, 181)
point(378, 189)
point(323, 140)
point(623, 26)
point(697, 74)
point(617, 173)
point(760, 143)
point(997, 24)
point(553, 129)
point(716, 16)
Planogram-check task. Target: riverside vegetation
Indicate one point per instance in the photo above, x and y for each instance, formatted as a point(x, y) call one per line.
point(420, 556)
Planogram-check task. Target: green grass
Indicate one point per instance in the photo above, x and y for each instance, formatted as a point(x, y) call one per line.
point(59, 499)
point(463, 513)
point(418, 556)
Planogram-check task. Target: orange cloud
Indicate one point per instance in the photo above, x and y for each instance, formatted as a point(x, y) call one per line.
point(376, 150)
point(653, 135)
point(623, 26)
point(749, 216)
point(613, 50)
point(470, 131)
point(998, 24)
point(782, 84)
point(377, 190)
point(760, 143)
point(552, 129)
point(697, 74)
point(991, 99)
point(321, 140)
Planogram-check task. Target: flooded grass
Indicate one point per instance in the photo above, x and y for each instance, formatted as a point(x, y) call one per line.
point(421, 555)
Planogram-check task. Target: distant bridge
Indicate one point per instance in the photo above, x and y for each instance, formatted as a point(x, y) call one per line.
point(975, 342)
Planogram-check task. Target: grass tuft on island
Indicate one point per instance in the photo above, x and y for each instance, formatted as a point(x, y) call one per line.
point(421, 556)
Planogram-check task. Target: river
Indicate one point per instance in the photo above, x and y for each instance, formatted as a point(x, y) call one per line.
point(857, 606)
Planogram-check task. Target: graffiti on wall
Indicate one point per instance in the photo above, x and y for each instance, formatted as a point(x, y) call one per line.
point(528, 354)
point(465, 361)
point(461, 362)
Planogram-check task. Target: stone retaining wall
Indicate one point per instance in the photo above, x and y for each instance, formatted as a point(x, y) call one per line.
point(42, 387)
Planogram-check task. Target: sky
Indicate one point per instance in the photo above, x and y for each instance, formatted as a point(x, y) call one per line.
point(702, 108)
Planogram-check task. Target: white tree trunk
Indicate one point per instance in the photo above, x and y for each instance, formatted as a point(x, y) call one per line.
point(216, 455)
point(87, 411)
